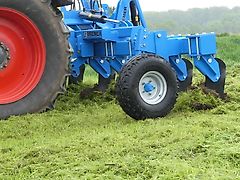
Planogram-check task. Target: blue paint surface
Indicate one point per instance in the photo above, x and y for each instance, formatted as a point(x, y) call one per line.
point(108, 46)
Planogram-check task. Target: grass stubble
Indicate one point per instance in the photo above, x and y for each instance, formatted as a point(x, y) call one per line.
point(94, 139)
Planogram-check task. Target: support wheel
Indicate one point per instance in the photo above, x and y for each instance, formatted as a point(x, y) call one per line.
point(184, 85)
point(34, 56)
point(147, 87)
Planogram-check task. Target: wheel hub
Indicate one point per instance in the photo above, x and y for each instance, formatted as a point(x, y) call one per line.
point(24, 47)
point(149, 87)
point(4, 56)
point(153, 87)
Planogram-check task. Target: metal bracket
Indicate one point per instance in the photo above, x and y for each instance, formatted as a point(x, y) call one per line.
point(180, 67)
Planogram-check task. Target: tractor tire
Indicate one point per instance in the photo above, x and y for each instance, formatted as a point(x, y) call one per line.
point(33, 36)
point(147, 87)
point(184, 85)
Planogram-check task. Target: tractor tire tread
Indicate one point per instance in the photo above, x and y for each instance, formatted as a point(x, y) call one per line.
point(62, 89)
point(55, 34)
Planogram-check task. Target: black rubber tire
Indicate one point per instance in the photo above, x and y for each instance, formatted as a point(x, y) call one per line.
point(127, 87)
point(49, 21)
point(184, 85)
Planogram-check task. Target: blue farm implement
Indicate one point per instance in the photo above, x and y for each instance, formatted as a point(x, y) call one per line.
point(152, 66)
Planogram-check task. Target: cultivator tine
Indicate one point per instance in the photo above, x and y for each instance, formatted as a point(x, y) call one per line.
point(218, 86)
point(184, 85)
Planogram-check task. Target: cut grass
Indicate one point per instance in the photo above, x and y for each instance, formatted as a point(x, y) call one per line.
point(94, 139)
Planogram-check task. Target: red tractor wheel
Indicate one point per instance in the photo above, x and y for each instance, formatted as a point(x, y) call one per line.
point(23, 56)
point(34, 56)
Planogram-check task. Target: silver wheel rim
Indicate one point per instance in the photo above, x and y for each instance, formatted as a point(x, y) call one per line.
point(153, 87)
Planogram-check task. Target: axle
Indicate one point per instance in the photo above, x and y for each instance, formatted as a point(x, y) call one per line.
point(4, 56)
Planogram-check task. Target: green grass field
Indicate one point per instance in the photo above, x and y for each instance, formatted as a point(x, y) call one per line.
point(94, 139)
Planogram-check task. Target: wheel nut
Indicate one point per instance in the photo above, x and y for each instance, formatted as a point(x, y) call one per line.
point(210, 60)
point(4, 56)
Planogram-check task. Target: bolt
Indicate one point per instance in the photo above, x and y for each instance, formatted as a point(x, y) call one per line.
point(123, 61)
point(177, 61)
point(102, 61)
point(150, 81)
point(143, 84)
point(149, 94)
point(159, 35)
point(145, 37)
point(210, 60)
point(143, 92)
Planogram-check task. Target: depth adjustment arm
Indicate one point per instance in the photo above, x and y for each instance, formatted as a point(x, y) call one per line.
point(96, 17)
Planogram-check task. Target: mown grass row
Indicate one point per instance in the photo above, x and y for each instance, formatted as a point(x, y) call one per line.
point(94, 139)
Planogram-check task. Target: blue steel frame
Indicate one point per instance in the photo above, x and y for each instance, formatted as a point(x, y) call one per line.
point(109, 46)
